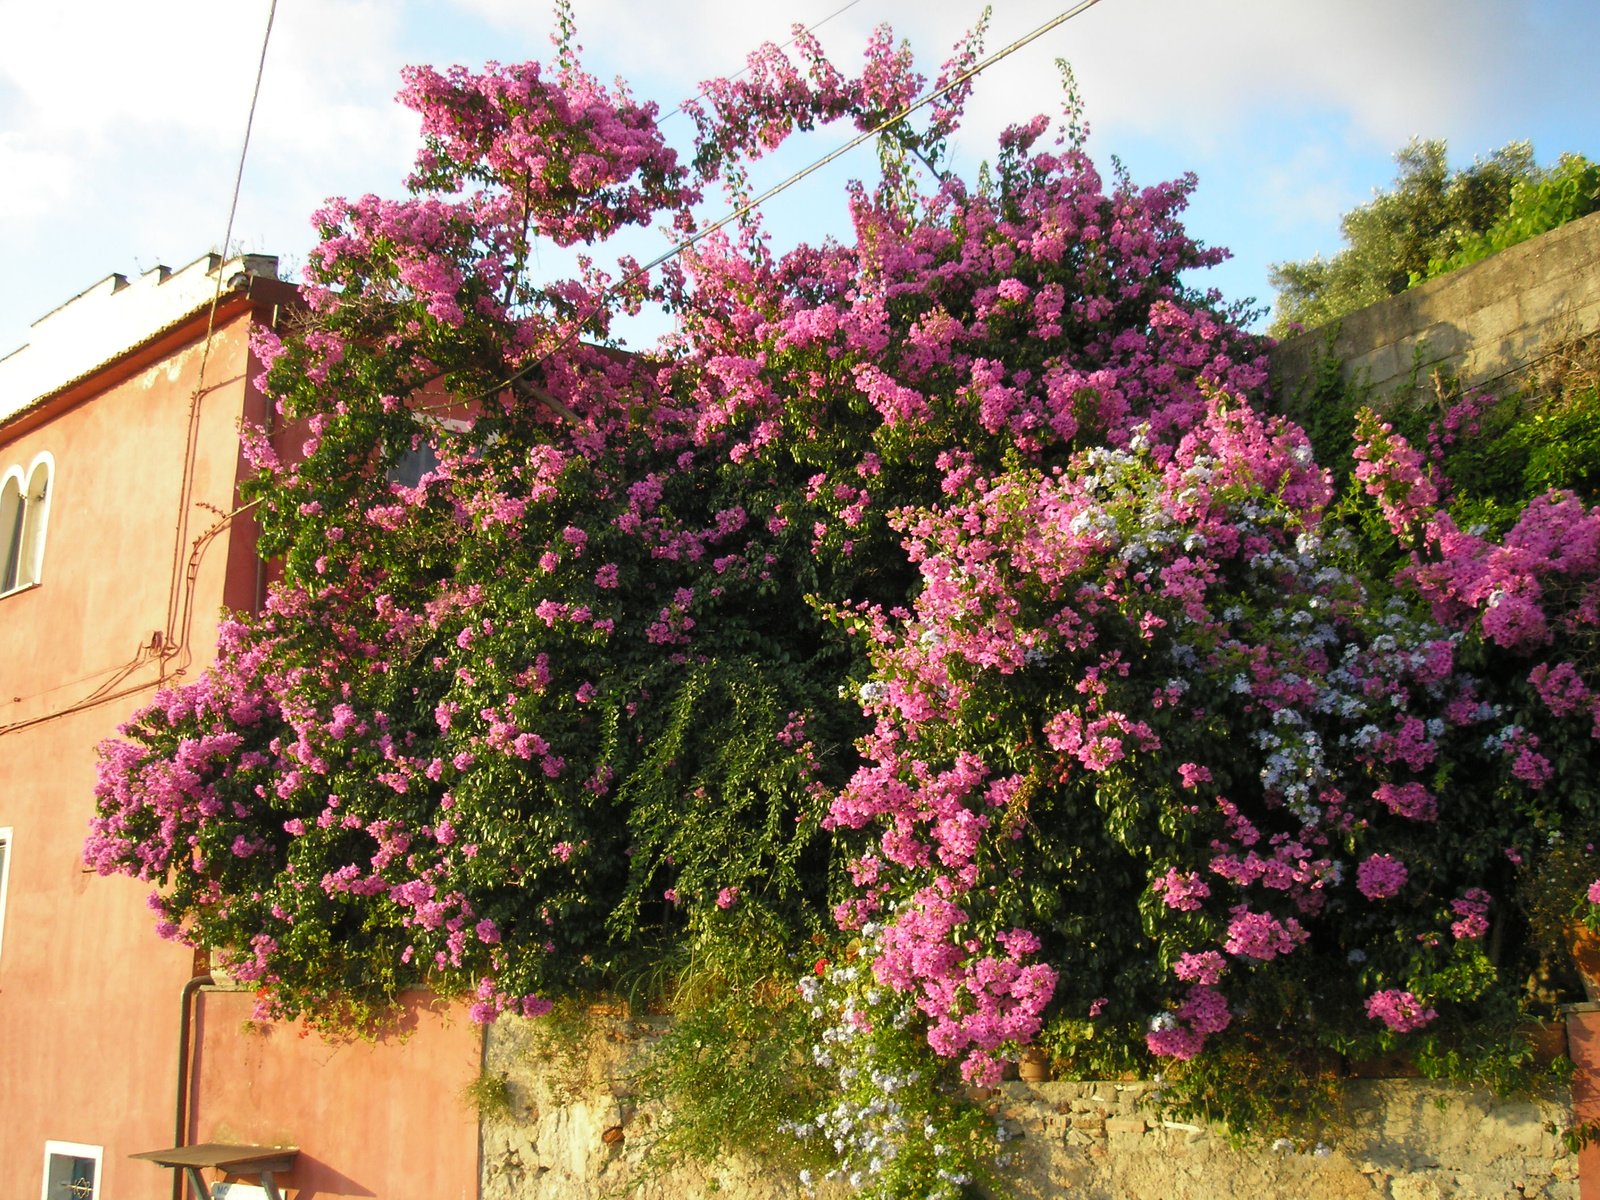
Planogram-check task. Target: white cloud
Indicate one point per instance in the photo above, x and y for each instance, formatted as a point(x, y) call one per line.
point(1190, 65)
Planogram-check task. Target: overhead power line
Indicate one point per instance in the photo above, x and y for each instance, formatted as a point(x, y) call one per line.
point(238, 180)
point(181, 593)
point(750, 206)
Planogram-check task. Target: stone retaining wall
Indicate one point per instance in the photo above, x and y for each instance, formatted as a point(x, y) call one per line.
point(577, 1132)
point(1483, 323)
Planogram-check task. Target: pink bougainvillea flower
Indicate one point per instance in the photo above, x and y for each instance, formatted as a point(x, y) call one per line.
point(1400, 1011)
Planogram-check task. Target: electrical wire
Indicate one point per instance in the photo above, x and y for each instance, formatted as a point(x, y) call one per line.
point(238, 181)
point(750, 206)
point(176, 639)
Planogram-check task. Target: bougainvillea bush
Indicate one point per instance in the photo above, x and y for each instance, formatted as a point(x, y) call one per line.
point(936, 609)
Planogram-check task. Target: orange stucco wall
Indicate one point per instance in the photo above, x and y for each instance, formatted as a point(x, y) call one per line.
point(383, 1119)
point(88, 993)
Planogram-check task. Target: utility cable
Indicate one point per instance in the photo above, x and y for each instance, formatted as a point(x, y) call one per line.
point(238, 180)
point(748, 207)
point(176, 639)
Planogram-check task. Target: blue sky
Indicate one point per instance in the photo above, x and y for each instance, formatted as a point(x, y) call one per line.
point(120, 123)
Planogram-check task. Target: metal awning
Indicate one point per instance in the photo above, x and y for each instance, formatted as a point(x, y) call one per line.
point(261, 1161)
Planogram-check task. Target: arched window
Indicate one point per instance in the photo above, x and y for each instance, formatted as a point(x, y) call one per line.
point(24, 514)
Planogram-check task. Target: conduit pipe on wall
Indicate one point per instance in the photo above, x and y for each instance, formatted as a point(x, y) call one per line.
point(180, 1133)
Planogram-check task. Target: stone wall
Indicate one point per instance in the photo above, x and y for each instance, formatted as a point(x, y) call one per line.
point(576, 1131)
point(1406, 1139)
point(1483, 323)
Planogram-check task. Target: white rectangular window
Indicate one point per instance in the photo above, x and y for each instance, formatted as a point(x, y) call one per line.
point(5, 879)
point(71, 1171)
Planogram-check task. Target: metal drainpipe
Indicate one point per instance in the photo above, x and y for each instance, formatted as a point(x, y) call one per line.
point(181, 1125)
point(270, 426)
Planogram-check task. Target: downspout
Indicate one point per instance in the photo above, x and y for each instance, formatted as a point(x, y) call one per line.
point(180, 1133)
point(269, 425)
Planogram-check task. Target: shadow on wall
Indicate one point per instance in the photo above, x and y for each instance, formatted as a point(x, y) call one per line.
point(311, 1179)
point(370, 1118)
point(1480, 323)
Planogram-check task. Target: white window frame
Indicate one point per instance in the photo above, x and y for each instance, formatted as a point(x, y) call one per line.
point(8, 839)
point(35, 528)
point(73, 1150)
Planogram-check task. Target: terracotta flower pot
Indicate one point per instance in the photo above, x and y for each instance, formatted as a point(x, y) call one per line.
point(1035, 1066)
point(1585, 944)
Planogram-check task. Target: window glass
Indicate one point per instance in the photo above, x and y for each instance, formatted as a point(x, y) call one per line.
point(412, 465)
point(37, 506)
point(71, 1171)
point(24, 513)
point(13, 512)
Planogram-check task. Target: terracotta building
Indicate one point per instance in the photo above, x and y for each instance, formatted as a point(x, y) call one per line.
point(119, 548)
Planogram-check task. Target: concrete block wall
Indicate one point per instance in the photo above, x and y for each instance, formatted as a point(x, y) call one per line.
point(577, 1131)
point(1486, 323)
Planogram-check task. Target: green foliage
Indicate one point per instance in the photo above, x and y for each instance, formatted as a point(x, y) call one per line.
point(1498, 1053)
point(710, 803)
point(1570, 189)
point(489, 1096)
point(1261, 1085)
point(1497, 450)
point(1552, 887)
point(1325, 405)
point(733, 1068)
point(564, 1043)
point(1430, 213)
